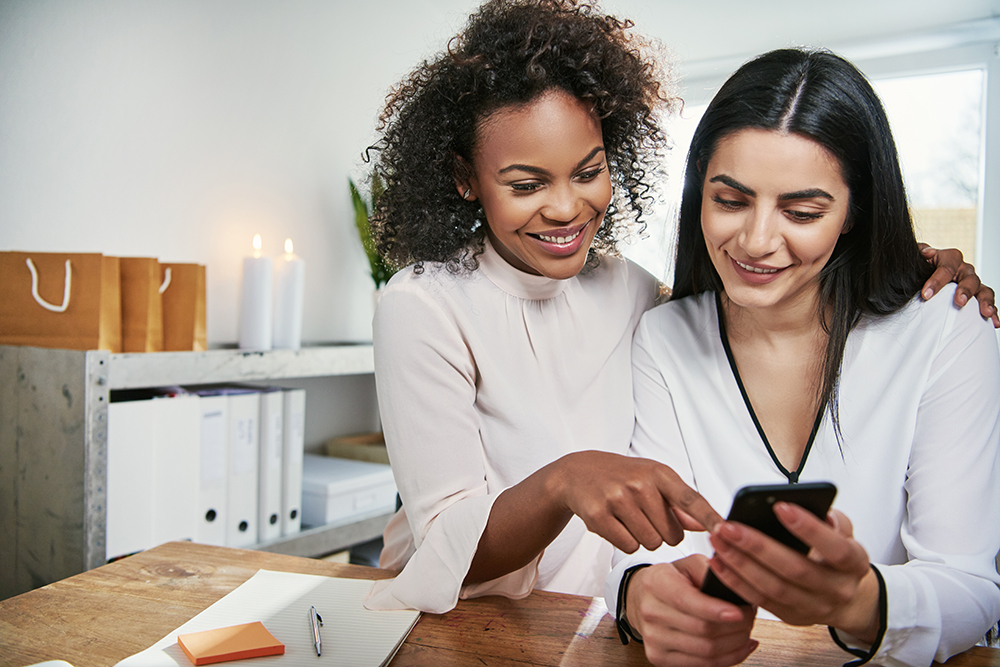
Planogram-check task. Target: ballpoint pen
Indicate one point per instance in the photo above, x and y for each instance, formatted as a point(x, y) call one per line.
point(315, 621)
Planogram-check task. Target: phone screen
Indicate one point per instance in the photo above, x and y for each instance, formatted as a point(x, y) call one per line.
point(753, 506)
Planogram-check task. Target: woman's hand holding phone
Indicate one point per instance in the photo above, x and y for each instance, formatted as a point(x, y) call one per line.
point(682, 626)
point(832, 585)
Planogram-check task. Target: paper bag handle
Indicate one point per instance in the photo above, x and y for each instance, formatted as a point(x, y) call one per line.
point(42, 302)
point(166, 280)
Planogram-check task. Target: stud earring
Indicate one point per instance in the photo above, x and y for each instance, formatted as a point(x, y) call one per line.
point(465, 195)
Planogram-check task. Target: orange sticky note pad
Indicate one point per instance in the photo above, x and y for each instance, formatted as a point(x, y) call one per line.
point(250, 640)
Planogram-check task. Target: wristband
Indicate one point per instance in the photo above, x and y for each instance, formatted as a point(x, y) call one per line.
point(863, 657)
point(621, 621)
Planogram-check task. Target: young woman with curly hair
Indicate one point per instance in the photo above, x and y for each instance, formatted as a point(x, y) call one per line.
point(512, 163)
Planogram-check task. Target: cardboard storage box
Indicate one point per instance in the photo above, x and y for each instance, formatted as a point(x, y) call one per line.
point(336, 490)
point(361, 447)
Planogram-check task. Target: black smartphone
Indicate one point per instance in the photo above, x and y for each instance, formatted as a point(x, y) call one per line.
point(753, 506)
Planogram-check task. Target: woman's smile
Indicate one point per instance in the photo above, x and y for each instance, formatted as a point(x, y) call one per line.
point(755, 273)
point(564, 241)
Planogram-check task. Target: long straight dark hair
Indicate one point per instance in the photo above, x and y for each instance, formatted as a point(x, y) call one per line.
point(876, 267)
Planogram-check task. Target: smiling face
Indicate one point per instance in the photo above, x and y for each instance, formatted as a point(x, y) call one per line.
point(540, 173)
point(773, 207)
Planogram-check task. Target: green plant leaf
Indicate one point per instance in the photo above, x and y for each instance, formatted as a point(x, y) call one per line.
point(381, 271)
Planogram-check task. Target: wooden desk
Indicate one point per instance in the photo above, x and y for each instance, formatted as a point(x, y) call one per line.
point(99, 617)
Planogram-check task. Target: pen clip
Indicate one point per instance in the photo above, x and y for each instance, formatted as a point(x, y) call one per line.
point(312, 610)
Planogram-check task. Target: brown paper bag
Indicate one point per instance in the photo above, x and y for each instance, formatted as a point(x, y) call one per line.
point(63, 300)
point(142, 306)
point(183, 307)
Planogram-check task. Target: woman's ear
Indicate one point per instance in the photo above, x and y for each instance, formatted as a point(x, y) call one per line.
point(465, 179)
point(848, 224)
point(465, 190)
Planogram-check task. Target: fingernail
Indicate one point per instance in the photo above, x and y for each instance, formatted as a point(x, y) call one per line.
point(730, 615)
point(730, 532)
point(962, 299)
point(786, 512)
point(927, 293)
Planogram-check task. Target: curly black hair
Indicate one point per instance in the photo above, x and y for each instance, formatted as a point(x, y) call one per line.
point(510, 53)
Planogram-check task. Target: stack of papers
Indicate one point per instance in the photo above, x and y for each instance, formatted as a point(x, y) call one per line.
point(352, 635)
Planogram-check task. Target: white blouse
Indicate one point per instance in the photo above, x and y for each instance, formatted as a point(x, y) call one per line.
point(918, 471)
point(483, 378)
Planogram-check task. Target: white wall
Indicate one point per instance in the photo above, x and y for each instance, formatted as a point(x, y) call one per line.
point(179, 129)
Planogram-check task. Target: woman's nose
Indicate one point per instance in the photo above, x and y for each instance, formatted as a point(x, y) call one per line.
point(759, 236)
point(563, 205)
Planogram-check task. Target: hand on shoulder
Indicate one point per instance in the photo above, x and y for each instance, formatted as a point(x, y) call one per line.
point(950, 267)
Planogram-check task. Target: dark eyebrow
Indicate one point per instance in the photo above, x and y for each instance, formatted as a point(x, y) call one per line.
point(538, 170)
point(805, 194)
point(787, 196)
point(590, 156)
point(733, 183)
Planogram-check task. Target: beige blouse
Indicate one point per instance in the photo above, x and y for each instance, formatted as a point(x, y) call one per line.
point(483, 378)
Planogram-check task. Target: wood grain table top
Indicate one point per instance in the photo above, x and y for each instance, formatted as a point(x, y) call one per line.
point(102, 616)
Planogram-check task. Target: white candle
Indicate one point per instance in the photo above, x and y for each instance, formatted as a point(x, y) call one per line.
point(289, 288)
point(255, 302)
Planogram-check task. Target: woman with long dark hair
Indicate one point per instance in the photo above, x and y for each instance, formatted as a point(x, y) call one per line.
point(797, 348)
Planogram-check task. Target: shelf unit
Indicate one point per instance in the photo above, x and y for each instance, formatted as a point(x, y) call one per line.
point(53, 447)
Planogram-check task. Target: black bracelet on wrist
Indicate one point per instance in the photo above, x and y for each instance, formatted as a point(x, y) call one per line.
point(625, 630)
point(863, 657)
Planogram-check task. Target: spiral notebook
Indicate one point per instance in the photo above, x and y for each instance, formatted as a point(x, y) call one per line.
point(352, 635)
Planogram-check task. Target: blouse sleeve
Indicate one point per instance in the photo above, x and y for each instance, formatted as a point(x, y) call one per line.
point(946, 596)
point(426, 382)
point(657, 435)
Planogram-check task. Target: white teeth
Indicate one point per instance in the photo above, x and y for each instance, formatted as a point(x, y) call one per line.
point(559, 239)
point(754, 269)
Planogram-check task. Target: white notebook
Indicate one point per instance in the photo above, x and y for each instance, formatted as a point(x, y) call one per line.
point(352, 635)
